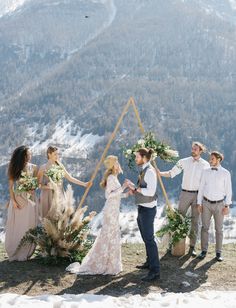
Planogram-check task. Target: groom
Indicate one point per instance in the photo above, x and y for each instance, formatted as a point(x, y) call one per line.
point(146, 200)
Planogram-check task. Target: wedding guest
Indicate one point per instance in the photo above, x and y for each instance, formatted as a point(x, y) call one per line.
point(22, 213)
point(214, 199)
point(47, 190)
point(192, 168)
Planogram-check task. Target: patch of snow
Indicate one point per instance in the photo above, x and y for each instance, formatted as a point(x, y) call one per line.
point(232, 4)
point(66, 135)
point(216, 299)
point(3, 161)
point(191, 274)
point(10, 6)
point(2, 237)
point(185, 284)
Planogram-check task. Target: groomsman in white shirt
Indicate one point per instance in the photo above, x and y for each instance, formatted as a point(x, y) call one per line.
point(192, 168)
point(214, 199)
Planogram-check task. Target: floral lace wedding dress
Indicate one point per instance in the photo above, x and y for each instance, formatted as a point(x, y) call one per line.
point(105, 255)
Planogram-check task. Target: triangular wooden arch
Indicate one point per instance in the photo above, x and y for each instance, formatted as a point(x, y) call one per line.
point(130, 102)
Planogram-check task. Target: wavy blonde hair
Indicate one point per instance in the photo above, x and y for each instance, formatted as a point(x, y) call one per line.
point(109, 163)
point(103, 182)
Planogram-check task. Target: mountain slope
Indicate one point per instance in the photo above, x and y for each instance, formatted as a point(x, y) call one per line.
point(177, 58)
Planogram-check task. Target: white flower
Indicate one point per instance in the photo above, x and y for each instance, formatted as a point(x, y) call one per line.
point(172, 153)
point(141, 142)
point(129, 151)
point(154, 155)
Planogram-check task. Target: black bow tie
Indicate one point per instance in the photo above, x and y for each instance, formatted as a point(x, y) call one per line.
point(214, 169)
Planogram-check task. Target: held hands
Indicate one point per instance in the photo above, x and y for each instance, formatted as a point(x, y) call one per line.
point(129, 184)
point(132, 188)
point(130, 192)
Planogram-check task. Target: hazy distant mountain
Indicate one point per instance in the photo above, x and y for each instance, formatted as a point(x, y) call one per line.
point(69, 67)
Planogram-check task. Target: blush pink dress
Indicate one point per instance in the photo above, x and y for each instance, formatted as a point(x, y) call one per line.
point(46, 195)
point(19, 221)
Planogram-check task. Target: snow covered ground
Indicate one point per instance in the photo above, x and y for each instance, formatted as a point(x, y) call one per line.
point(131, 234)
point(153, 300)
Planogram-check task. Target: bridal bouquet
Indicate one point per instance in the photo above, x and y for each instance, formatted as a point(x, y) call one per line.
point(161, 150)
point(26, 183)
point(55, 173)
point(177, 226)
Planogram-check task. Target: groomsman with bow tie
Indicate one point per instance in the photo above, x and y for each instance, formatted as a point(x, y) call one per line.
point(192, 168)
point(214, 199)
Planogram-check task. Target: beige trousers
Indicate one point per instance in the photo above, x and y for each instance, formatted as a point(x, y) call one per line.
point(209, 210)
point(186, 200)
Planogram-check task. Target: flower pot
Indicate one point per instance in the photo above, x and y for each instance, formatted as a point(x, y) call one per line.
point(178, 249)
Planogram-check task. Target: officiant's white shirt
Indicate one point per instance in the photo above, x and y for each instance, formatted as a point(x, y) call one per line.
point(151, 179)
point(192, 172)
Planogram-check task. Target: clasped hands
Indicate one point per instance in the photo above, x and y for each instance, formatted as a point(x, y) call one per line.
point(131, 186)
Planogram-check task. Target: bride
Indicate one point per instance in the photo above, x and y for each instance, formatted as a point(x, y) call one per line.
point(105, 256)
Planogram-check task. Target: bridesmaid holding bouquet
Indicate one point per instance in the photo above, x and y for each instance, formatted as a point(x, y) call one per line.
point(22, 212)
point(51, 175)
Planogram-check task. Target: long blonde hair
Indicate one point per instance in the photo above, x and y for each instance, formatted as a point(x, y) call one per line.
point(109, 163)
point(103, 182)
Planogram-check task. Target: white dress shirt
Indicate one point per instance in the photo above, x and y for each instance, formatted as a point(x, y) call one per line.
point(151, 179)
point(215, 185)
point(192, 172)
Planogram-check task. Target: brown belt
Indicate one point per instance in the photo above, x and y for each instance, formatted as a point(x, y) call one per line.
point(218, 201)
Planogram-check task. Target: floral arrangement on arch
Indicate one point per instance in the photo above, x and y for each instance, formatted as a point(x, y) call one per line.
point(161, 149)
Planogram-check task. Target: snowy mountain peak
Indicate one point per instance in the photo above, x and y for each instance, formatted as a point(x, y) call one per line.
point(10, 6)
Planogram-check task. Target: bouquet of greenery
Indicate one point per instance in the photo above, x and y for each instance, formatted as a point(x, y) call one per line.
point(178, 226)
point(161, 150)
point(56, 173)
point(26, 183)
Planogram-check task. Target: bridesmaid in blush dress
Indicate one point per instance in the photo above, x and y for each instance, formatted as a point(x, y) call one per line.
point(47, 191)
point(22, 212)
